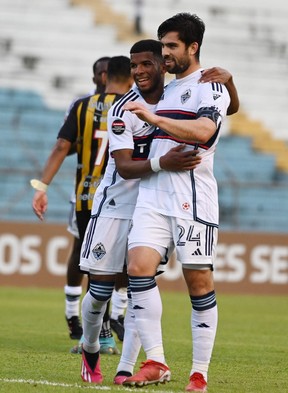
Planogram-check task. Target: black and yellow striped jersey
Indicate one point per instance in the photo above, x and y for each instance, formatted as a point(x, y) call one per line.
point(86, 125)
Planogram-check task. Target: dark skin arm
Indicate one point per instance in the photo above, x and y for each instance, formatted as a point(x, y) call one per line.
point(52, 166)
point(174, 160)
point(217, 74)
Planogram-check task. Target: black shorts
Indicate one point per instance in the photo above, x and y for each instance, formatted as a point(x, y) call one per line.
point(83, 218)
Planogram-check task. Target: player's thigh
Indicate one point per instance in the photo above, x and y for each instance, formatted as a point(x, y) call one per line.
point(148, 240)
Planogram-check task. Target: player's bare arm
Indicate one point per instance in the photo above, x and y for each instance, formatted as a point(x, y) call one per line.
point(217, 74)
point(199, 130)
point(53, 164)
point(175, 160)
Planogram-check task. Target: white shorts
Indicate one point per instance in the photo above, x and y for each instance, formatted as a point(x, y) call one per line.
point(72, 222)
point(194, 242)
point(104, 248)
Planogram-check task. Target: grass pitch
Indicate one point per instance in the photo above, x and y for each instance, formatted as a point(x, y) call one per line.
point(250, 353)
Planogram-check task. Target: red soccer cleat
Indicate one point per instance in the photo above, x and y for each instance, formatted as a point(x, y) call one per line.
point(89, 375)
point(121, 377)
point(150, 372)
point(197, 383)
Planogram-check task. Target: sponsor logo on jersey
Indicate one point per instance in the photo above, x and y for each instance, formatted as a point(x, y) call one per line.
point(185, 97)
point(186, 206)
point(99, 251)
point(118, 127)
point(216, 96)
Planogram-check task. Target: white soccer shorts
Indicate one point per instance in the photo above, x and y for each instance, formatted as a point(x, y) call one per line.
point(195, 243)
point(104, 248)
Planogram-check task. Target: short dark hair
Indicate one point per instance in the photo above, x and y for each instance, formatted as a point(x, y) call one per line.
point(105, 58)
point(147, 46)
point(189, 27)
point(119, 68)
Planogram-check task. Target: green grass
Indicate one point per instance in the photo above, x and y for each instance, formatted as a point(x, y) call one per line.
point(250, 353)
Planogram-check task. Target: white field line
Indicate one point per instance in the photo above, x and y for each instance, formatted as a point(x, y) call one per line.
point(70, 385)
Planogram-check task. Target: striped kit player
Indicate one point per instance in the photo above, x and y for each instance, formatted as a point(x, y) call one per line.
point(188, 196)
point(86, 125)
point(105, 243)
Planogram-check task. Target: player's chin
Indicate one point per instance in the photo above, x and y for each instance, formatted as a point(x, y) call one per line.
point(144, 86)
point(170, 67)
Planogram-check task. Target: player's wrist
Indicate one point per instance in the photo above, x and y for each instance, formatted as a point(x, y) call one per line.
point(155, 164)
point(38, 185)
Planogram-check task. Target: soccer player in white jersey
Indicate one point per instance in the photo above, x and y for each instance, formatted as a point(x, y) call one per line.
point(105, 244)
point(184, 212)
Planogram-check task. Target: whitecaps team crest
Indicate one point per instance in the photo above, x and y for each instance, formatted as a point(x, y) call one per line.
point(99, 251)
point(185, 97)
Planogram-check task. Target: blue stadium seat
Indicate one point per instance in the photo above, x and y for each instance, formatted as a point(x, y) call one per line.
point(254, 208)
point(236, 161)
point(20, 99)
point(42, 120)
point(17, 194)
point(9, 117)
point(28, 132)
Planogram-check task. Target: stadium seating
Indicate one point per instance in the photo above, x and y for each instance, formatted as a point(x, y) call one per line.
point(28, 132)
point(243, 175)
point(237, 162)
point(40, 73)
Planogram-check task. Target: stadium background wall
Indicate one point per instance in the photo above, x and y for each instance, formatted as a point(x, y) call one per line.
point(35, 254)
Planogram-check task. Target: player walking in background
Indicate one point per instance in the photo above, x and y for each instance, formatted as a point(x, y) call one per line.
point(184, 212)
point(100, 68)
point(74, 277)
point(86, 126)
point(73, 289)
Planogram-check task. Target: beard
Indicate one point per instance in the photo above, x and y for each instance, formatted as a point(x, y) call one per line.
point(178, 67)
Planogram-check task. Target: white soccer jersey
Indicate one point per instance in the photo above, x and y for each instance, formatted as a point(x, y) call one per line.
point(186, 194)
point(116, 197)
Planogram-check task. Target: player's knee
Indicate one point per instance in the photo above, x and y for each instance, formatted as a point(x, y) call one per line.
point(136, 269)
point(143, 261)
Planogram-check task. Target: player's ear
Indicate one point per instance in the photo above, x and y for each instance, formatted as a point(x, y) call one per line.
point(104, 78)
point(163, 68)
point(193, 48)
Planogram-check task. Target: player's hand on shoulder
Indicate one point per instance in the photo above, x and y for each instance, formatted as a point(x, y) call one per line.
point(215, 74)
point(178, 160)
point(139, 109)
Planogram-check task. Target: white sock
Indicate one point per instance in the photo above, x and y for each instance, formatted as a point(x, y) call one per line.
point(72, 301)
point(92, 322)
point(204, 326)
point(131, 343)
point(118, 302)
point(148, 314)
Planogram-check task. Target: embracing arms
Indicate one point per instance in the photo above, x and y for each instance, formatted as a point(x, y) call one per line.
point(174, 160)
